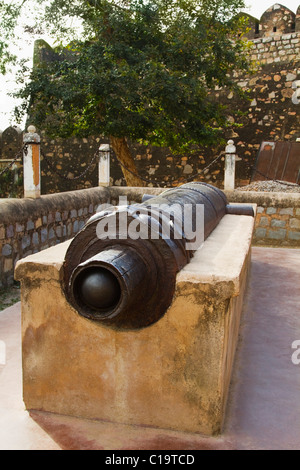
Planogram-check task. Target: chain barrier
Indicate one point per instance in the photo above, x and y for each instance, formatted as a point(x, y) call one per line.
point(255, 170)
point(66, 177)
point(23, 150)
point(91, 163)
point(186, 180)
point(275, 181)
point(16, 158)
point(11, 182)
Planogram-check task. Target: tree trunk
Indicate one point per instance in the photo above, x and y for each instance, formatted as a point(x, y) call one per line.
point(121, 149)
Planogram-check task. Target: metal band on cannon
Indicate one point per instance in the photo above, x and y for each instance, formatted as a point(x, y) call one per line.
point(129, 283)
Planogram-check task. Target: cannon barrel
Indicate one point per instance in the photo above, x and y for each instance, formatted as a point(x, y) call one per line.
point(127, 281)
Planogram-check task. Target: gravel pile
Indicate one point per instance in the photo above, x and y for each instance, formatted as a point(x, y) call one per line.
point(271, 186)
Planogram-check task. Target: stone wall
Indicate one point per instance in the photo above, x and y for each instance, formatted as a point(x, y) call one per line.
point(278, 217)
point(11, 140)
point(63, 160)
point(28, 226)
point(11, 182)
point(277, 19)
point(277, 48)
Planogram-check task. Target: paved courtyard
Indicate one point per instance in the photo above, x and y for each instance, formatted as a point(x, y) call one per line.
point(264, 406)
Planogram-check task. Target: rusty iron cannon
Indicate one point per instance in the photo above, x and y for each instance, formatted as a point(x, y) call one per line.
point(126, 278)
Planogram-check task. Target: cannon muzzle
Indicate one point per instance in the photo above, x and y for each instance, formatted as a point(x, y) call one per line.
point(126, 278)
point(98, 288)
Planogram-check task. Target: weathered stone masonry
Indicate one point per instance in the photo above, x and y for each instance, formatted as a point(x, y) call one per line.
point(278, 217)
point(28, 226)
point(277, 48)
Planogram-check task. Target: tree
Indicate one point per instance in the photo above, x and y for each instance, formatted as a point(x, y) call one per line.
point(142, 70)
point(9, 15)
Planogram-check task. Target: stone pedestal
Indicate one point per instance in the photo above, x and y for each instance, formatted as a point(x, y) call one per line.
point(174, 374)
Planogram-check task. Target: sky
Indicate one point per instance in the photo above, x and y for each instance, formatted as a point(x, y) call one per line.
point(25, 50)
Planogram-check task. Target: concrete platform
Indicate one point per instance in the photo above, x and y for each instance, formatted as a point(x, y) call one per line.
point(264, 406)
point(173, 374)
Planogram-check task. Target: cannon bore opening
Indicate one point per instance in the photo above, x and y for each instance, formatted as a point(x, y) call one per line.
point(98, 288)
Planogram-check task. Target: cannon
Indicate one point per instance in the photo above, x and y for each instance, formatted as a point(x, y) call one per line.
point(127, 281)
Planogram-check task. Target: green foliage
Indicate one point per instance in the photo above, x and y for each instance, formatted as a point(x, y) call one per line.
point(9, 296)
point(143, 70)
point(9, 14)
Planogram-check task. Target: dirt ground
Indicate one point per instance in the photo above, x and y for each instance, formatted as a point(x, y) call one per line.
point(9, 296)
point(271, 186)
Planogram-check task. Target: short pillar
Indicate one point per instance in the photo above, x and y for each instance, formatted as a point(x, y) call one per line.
point(104, 165)
point(31, 164)
point(230, 158)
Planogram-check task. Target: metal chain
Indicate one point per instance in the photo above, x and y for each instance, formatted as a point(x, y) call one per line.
point(255, 170)
point(275, 181)
point(13, 160)
point(69, 178)
point(202, 171)
point(147, 180)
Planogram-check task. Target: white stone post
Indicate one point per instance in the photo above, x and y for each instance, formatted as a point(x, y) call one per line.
point(31, 164)
point(230, 158)
point(104, 165)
